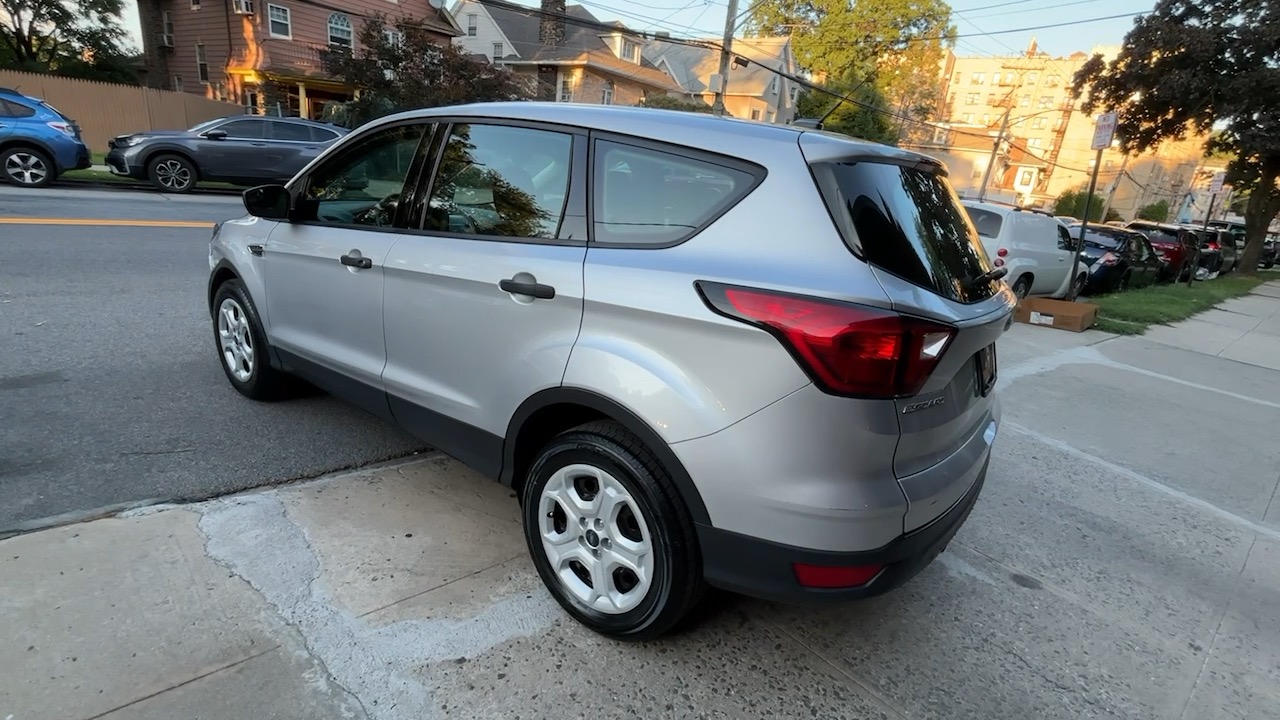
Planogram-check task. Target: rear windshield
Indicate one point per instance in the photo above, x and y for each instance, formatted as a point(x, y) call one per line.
point(908, 221)
point(52, 109)
point(1157, 235)
point(1105, 241)
point(985, 222)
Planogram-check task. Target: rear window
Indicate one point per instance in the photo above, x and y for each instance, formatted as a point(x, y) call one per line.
point(53, 110)
point(1157, 235)
point(652, 198)
point(985, 222)
point(1103, 240)
point(908, 221)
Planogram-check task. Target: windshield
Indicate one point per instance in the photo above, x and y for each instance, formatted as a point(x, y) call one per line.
point(987, 223)
point(1103, 240)
point(908, 221)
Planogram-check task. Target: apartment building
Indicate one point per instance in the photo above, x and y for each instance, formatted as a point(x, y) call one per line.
point(1045, 148)
point(568, 54)
point(266, 54)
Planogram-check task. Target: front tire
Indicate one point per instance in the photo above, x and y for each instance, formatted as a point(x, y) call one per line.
point(242, 345)
point(27, 167)
point(609, 534)
point(172, 173)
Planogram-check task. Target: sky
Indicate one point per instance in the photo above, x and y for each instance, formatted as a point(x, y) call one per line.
point(973, 18)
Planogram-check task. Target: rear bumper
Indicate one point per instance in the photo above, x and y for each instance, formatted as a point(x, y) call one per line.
point(83, 160)
point(764, 569)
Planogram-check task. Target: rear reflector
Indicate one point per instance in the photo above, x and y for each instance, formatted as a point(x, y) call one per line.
point(827, 577)
point(846, 349)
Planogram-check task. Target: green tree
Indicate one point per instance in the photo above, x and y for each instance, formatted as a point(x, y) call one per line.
point(400, 67)
point(856, 117)
point(672, 102)
point(1071, 204)
point(898, 44)
point(77, 38)
point(1157, 211)
point(1201, 65)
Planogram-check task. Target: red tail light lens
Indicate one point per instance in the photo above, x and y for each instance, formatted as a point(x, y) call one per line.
point(1002, 252)
point(847, 349)
point(829, 577)
point(999, 262)
point(1211, 246)
point(1109, 259)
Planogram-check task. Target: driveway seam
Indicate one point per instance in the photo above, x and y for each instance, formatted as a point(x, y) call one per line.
point(1217, 631)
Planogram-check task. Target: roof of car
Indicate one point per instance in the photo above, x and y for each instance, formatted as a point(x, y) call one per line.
point(1003, 208)
point(301, 121)
point(667, 125)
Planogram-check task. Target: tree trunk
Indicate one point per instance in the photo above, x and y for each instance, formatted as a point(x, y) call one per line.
point(1263, 205)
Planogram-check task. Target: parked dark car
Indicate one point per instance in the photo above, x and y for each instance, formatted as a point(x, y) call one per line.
point(1120, 259)
point(242, 150)
point(1220, 248)
point(1171, 242)
point(1266, 259)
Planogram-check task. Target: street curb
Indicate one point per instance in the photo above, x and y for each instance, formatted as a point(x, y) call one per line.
point(139, 507)
point(136, 187)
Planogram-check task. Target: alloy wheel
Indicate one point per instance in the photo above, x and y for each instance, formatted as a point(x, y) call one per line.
point(26, 168)
point(235, 340)
point(173, 175)
point(596, 539)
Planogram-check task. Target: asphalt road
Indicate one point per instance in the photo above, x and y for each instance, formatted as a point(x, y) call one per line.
point(110, 388)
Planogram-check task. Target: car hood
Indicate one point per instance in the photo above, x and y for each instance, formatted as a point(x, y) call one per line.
point(156, 133)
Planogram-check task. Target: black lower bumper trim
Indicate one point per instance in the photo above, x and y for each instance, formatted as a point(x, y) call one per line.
point(763, 569)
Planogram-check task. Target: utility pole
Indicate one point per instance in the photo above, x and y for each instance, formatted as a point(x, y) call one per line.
point(726, 54)
point(995, 150)
point(1115, 185)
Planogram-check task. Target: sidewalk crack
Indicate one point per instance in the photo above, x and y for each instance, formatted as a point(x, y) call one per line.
point(186, 682)
point(1217, 631)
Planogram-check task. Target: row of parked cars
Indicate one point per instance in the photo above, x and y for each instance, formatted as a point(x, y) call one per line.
point(1037, 249)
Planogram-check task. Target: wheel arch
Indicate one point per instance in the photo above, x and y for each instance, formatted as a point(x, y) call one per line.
point(554, 410)
point(29, 143)
point(183, 153)
point(222, 272)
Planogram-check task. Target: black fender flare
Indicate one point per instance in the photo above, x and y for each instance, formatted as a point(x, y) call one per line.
point(617, 412)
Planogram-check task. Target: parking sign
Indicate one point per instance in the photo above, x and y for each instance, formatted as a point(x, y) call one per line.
point(1219, 179)
point(1104, 131)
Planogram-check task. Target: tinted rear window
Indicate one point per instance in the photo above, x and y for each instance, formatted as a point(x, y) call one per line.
point(1158, 235)
point(985, 222)
point(1104, 240)
point(908, 221)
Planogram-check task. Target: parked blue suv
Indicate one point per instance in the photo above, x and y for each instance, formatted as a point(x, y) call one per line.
point(37, 143)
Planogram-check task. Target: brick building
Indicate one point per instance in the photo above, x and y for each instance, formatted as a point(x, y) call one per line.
point(569, 54)
point(265, 54)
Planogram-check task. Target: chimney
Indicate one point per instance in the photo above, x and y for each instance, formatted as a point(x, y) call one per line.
point(550, 28)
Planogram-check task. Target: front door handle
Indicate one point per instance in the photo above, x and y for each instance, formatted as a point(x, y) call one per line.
point(357, 261)
point(531, 289)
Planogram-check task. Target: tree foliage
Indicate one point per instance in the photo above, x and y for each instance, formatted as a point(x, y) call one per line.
point(75, 38)
point(1197, 66)
point(400, 67)
point(896, 44)
point(856, 119)
point(672, 102)
point(1156, 212)
point(1071, 204)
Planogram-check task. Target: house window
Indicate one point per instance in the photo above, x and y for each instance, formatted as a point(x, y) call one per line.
point(1053, 81)
point(195, 4)
point(606, 95)
point(340, 33)
point(986, 118)
point(991, 98)
point(630, 51)
point(971, 99)
point(968, 118)
point(1024, 101)
point(1057, 124)
point(755, 114)
point(773, 86)
point(1046, 102)
point(1032, 77)
point(471, 25)
point(177, 83)
point(202, 64)
point(795, 93)
point(1027, 177)
point(279, 22)
point(566, 89)
point(956, 79)
point(1038, 123)
point(166, 20)
point(498, 53)
point(251, 102)
point(978, 78)
point(392, 37)
point(1035, 142)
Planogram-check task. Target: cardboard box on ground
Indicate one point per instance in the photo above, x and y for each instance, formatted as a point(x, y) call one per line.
point(1073, 316)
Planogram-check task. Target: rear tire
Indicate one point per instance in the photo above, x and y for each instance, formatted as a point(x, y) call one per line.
point(1122, 283)
point(242, 346)
point(609, 534)
point(172, 173)
point(27, 167)
point(1022, 287)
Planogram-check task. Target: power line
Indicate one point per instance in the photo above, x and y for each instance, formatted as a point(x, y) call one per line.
point(1030, 10)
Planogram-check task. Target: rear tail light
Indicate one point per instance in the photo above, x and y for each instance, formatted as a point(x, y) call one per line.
point(830, 577)
point(1109, 259)
point(1211, 246)
point(1002, 252)
point(999, 262)
point(846, 349)
point(64, 128)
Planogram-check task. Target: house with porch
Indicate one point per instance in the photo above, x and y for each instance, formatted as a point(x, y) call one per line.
point(756, 90)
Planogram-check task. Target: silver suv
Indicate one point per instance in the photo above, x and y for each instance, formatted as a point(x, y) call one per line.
point(701, 351)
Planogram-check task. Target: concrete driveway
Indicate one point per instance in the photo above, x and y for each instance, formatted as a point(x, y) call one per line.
point(1123, 561)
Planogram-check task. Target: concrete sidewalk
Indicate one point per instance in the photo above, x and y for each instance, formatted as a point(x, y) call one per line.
point(1123, 561)
point(1245, 329)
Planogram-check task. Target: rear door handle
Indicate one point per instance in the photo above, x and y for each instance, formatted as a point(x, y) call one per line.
point(532, 289)
point(357, 261)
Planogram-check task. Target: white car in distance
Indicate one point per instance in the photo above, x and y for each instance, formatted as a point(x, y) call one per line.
point(1035, 246)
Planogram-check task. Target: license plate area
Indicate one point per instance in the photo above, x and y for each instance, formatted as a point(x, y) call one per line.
point(985, 362)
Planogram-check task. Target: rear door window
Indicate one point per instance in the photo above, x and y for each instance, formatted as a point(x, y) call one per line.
point(15, 110)
point(647, 197)
point(987, 223)
point(907, 220)
point(293, 132)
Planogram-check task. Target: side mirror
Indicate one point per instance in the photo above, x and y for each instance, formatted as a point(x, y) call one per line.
point(271, 202)
point(216, 135)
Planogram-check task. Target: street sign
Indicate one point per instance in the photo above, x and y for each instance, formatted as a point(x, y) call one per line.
point(1104, 131)
point(1219, 178)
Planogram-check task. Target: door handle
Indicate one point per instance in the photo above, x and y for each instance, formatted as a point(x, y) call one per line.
point(259, 144)
point(357, 261)
point(532, 289)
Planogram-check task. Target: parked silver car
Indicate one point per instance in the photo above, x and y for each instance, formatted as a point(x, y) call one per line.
point(701, 351)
